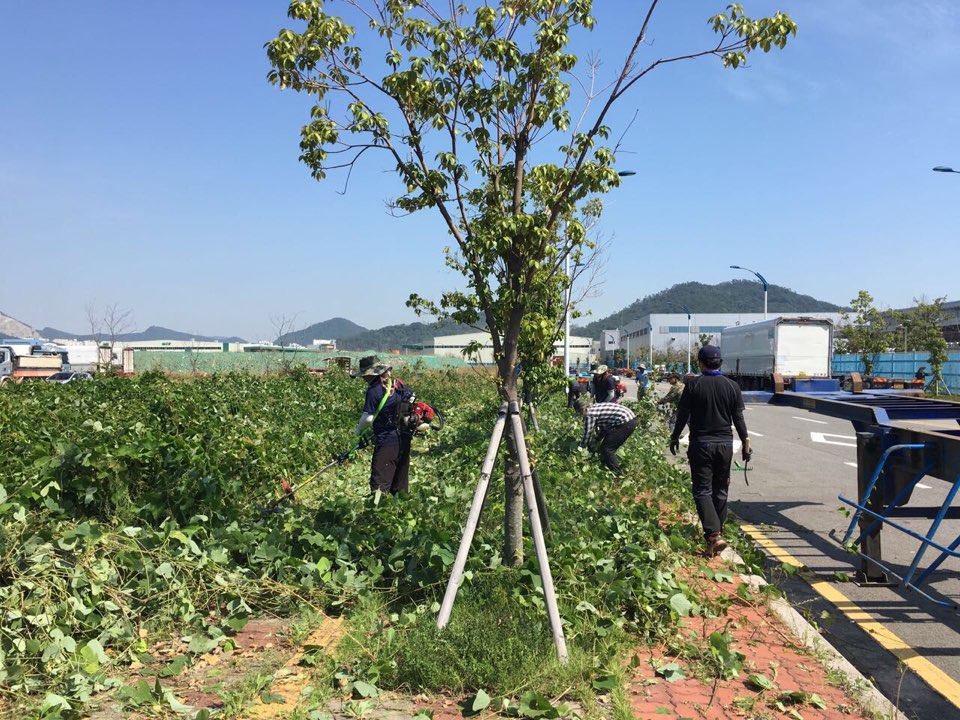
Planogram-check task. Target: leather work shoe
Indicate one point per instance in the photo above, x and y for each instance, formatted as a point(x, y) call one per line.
point(716, 544)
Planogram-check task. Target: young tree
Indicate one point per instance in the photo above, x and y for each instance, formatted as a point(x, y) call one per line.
point(865, 333)
point(461, 101)
point(925, 321)
point(108, 325)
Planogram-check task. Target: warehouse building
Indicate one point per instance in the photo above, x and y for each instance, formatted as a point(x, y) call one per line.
point(667, 333)
point(455, 345)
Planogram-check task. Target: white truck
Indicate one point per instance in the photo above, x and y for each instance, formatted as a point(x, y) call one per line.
point(793, 347)
point(16, 366)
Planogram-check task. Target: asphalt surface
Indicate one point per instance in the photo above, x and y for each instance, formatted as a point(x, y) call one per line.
point(802, 462)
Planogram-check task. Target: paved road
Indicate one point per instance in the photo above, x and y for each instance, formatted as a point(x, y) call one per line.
point(802, 461)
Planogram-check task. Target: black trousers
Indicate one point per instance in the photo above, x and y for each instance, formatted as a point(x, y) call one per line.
point(710, 470)
point(611, 442)
point(390, 467)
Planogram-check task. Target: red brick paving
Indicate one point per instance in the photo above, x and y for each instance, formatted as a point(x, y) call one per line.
point(769, 648)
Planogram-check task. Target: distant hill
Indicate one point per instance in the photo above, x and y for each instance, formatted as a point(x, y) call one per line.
point(154, 332)
point(12, 328)
point(733, 296)
point(335, 328)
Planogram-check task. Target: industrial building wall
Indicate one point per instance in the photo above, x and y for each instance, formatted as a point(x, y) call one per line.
point(454, 345)
point(670, 329)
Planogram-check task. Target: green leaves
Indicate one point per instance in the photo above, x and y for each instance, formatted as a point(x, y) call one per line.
point(760, 682)
point(671, 672)
point(681, 604)
point(181, 537)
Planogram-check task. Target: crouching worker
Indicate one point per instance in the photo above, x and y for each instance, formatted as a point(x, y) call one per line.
point(384, 410)
point(607, 425)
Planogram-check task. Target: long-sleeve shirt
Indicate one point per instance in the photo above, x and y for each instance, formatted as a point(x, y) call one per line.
point(602, 416)
point(711, 403)
point(604, 388)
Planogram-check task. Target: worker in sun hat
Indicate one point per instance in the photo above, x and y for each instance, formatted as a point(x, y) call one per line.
point(711, 403)
point(643, 381)
point(386, 401)
point(604, 385)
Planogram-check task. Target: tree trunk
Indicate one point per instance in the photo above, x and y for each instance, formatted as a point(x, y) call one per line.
point(513, 505)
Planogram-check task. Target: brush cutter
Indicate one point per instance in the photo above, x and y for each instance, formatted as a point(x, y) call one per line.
point(290, 491)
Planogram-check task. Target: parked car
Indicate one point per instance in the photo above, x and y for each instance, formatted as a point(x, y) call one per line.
point(65, 377)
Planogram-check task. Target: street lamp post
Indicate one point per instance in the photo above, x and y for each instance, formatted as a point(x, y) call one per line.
point(763, 280)
point(650, 335)
point(687, 311)
point(941, 168)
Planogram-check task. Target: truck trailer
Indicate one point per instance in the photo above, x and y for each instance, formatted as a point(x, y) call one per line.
point(794, 348)
point(16, 367)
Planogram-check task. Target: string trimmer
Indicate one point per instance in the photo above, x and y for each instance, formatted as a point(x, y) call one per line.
point(290, 491)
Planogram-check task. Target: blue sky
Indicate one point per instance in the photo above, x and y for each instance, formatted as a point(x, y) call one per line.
point(145, 160)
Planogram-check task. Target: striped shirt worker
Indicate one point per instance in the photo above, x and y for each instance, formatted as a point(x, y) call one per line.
point(613, 424)
point(601, 417)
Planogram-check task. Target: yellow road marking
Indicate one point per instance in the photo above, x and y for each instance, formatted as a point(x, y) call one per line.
point(926, 670)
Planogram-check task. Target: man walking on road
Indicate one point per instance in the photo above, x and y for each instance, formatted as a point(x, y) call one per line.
point(613, 423)
point(711, 403)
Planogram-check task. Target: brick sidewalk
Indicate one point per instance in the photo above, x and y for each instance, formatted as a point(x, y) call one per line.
point(799, 682)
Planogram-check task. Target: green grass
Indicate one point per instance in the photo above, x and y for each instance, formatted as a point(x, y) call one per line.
point(493, 642)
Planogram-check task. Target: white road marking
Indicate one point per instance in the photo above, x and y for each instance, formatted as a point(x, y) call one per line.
point(818, 422)
point(755, 434)
point(919, 485)
point(819, 437)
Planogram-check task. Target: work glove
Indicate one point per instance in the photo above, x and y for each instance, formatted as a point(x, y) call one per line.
point(746, 452)
point(674, 445)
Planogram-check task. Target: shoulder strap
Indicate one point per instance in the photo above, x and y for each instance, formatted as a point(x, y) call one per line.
point(383, 401)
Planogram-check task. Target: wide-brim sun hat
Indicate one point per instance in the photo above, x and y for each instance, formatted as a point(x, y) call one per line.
point(366, 364)
point(601, 369)
point(376, 371)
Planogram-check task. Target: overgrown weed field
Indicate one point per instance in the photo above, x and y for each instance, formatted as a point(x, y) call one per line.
point(132, 510)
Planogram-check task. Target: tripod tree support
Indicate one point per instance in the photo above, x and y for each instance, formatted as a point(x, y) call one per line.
point(509, 412)
point(473, 518)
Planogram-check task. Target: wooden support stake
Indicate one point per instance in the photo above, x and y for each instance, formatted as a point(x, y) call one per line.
point(473, 518)
point(539, 543)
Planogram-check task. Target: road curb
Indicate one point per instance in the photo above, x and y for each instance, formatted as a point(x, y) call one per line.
point(865, 691)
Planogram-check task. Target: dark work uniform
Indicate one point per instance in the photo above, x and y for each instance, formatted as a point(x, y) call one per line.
point(711, 403)
point(605, 389)
point(574, 391)
point(390, 467)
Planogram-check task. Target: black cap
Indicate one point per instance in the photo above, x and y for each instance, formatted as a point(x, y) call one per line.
point(709, 352)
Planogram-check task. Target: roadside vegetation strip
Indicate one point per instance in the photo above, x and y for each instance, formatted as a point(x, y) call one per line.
point(134, 506)
point(887, 639)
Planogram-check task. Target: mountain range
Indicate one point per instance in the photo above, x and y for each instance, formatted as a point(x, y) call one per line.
point(154, 332)
point(732, 296)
